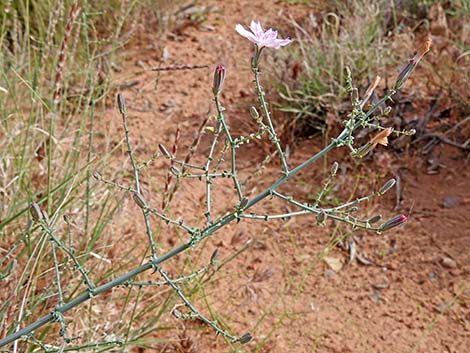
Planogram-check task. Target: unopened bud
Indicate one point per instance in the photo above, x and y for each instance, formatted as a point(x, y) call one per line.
point(374, 219)
point(35, 211)
point(164, 151)
point(393, 222)
point(334, 168)
point(254, 113)
point(247, 337)
point(139, 200)
point(214, 256)
point(387, 186)
point(219, 77)
point(121, 104)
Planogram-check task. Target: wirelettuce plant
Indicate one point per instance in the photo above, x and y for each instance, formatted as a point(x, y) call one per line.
point(210, 170)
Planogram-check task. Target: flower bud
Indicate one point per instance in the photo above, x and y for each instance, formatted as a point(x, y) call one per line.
point(334, 168)
point(387, 186)
point(35, 211)
point(245, 338)
point(393, 222)
point(121, 104)
point(374, 219)
point(254, 113)
point(164, 151)
point(139, 200)
point(219, 77)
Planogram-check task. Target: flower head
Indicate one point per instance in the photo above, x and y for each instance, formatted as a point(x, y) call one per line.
point(261, 37)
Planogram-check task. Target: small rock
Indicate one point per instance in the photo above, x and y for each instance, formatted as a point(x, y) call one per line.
point(334, 263)
point(448, 262)
point(450, 201)
point(432, 275)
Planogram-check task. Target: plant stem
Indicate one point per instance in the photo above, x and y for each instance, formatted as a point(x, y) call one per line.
point(265, 111)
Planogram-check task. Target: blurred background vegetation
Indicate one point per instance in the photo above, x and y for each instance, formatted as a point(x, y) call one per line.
point(372, 38)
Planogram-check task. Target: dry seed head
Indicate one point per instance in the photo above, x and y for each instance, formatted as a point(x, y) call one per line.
point(35, 211)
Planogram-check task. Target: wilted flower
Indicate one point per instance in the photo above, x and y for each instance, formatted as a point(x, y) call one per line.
point(382, 137)
point(261, 37)
point(410, 66)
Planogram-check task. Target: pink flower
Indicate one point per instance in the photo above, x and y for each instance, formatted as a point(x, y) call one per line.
point(260, 37)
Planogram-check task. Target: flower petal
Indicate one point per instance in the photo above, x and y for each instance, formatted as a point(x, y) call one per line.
point(247, 34)
point(256, 28)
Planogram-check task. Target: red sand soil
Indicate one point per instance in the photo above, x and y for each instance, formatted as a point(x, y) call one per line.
point(416, 295)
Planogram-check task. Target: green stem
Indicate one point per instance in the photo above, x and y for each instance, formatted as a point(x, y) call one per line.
point(232, 148)
point(265, 111)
